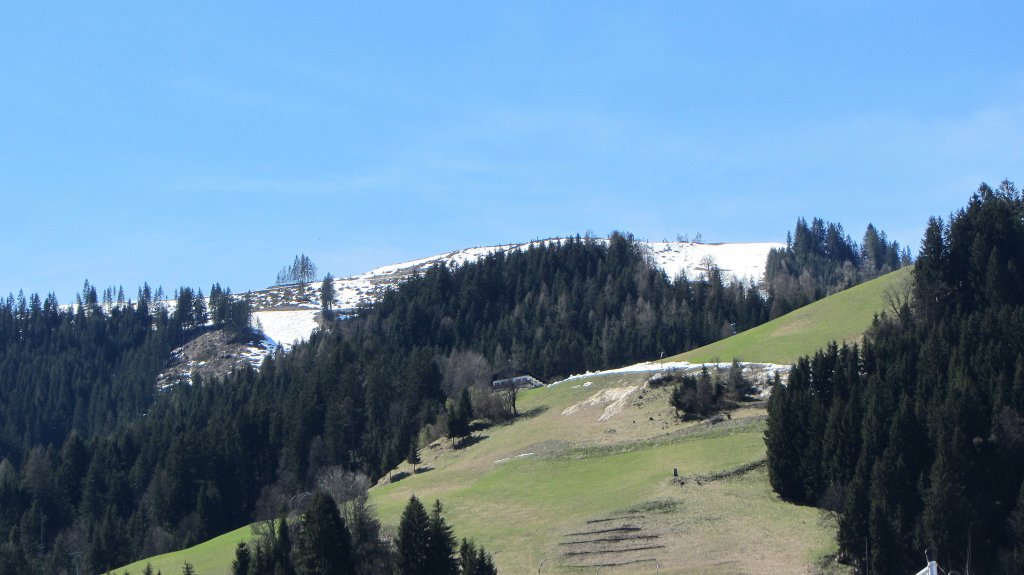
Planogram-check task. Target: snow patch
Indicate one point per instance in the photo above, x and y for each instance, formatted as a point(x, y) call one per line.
point(761, 374)
point(614, 396)
point(286, 327)
point(504, 459)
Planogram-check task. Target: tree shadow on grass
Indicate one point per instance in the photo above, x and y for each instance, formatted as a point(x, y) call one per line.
point(532, 412)
point(468, 441)
point(396, 477)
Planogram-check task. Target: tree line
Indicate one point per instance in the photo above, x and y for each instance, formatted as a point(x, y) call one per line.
point(70, 376)
point(301, 271)
point(332, 539)
point(820, 259)
point(915, 439)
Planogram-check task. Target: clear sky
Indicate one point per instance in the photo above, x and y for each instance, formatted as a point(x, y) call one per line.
point(183, 143)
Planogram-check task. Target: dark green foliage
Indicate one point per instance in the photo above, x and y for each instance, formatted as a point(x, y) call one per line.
point(916, 438)
point(325, 546)
point(327, 294)
point(187, 569)
point(271, 553)
point(698, 396)
point(466, 405)
point(562, 308)
point(371, 554)
point(441, 559)
point(738, 387)
point(413, 542)
point(414, 455)
point(233, 313)
point(301, 271)
point(459, 416)
point(282, 550)
point(426, 545)
point(475, 560)
point(820, 260)
point(242, 561)
point(190, 309)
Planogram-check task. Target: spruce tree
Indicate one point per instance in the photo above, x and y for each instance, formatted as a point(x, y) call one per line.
point(413, 543)
point(414, 455)
point(475, 560)
point(440, 544)
point(325, 546)
point(466, 406)
point(327, 294)
point(243, 558)
point(282, 552)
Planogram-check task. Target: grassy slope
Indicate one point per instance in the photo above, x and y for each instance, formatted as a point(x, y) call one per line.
point(580, 469)
point(840, 317)
point(524, 508)
point(210, 557)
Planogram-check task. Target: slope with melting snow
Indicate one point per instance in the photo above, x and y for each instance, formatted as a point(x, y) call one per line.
point(287, 313)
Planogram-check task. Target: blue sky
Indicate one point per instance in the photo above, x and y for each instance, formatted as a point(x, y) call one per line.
point(184, 143)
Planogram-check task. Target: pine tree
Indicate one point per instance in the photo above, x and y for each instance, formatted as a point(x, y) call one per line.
point(475, 560)
point(458, 426)
point(412, 543)
point(414, 455)
point(466, 407)
point(242, 561)
point(187, 569)
point(440, 544)
point(282, 551)
point(325, 546)
point(327, 294)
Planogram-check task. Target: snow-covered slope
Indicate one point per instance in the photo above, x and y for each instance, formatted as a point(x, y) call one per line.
point(287, 313)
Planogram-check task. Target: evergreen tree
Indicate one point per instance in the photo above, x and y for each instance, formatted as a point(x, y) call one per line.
point(466, 406)
point(327, 294)
point(929, 404)
point(458, 425)
point(413, 542)
point(441, 559)
point(242, 561)
point(414, 456)
point(325, 546)
point(475, 560)
point(282, 551)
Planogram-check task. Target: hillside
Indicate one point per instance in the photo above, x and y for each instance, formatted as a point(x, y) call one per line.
point(585, 478)
point(840, 317)
point(580, 484)
point(592, 459)
point(286, 314)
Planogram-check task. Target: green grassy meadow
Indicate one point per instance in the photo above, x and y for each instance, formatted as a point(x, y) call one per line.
point(844, 316)
point(523, 490)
